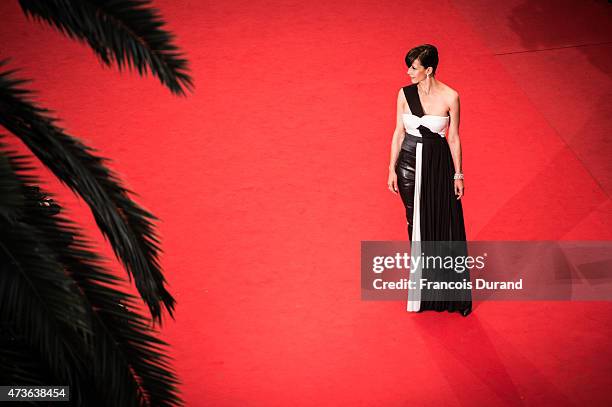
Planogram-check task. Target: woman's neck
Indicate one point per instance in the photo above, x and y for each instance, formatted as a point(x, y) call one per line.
point(428, 86)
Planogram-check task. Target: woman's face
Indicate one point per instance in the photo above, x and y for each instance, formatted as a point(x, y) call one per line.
point(417, 72)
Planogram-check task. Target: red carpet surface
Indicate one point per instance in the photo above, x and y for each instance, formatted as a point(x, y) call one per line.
point(267, 178)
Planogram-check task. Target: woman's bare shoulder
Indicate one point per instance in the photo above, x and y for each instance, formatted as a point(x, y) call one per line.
point(448, 91)
point(401, 96)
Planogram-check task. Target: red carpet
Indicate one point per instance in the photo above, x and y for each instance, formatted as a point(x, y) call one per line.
point(269, 176)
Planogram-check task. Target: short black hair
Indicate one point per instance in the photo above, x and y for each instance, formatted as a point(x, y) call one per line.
point(427, 54)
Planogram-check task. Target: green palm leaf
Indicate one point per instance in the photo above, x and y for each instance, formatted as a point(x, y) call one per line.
point(37, 298)
point(127, 226)
point(127, 31)
point(11, 198)
point(58, 300)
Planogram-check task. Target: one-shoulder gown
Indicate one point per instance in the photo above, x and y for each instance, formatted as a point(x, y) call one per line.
point(434, 215)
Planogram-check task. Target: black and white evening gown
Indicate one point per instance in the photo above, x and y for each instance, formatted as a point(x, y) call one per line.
point(434, 215)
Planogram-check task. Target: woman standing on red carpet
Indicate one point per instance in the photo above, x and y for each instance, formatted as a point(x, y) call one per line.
point(425, 168)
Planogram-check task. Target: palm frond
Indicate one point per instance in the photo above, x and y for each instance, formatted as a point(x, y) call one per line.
point(127, 226)
point(41, 302)
point(123, 363)
point(126, 31)
point(11, 197)
point(21, 364)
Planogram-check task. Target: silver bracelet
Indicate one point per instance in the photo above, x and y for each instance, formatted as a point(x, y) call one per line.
point(458, 175)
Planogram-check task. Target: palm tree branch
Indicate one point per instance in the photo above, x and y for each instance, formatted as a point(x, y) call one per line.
point(127, 226)
point(129, 366)
point(39, 299)
point(127, 31)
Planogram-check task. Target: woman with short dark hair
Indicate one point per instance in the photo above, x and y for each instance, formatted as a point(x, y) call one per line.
point(425, 168)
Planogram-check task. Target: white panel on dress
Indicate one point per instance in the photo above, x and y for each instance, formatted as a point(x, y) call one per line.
point(414, 296)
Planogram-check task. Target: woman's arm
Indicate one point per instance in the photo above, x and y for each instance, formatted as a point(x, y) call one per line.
point(396, 143)
point(398, 133)
point(454, 142)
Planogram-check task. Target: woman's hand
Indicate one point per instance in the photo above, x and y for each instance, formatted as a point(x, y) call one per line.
point(392, 181)
point(459, 188)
